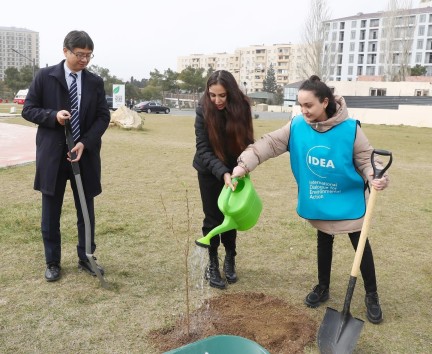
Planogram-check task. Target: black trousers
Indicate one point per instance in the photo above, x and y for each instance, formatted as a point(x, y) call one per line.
point(51, 213)
point(210, 188)
point(325, 255)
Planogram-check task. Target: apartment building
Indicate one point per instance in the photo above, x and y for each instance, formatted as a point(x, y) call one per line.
point(249, 65)
point(383, 44)
point(18, 47)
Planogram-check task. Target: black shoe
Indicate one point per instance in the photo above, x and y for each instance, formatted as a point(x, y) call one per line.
point(373, 312)
point(52, 272)
point(317, 296)
point(86, 266)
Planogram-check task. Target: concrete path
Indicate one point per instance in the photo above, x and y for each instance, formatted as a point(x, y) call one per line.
point(17, 144)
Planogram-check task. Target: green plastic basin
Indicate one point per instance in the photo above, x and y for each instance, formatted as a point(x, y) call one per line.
point(222, 344)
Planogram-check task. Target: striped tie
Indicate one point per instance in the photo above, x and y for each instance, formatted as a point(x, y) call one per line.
point(74, 120)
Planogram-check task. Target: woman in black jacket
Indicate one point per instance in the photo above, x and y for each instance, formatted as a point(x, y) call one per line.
point(223, 129)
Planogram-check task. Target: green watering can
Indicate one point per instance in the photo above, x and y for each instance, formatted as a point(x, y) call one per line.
point(241, 209)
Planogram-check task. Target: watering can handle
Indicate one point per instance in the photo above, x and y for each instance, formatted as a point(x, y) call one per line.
point(225, 201)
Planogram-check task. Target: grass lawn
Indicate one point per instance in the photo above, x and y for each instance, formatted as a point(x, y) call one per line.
point(150, 211)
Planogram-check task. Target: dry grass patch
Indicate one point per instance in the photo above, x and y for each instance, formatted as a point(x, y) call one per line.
point(144, 258)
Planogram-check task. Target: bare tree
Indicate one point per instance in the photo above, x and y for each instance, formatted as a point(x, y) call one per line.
point(313, 37)
point(396, 39)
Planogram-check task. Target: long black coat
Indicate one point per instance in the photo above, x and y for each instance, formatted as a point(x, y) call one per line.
point(205, 160)
point(49, 94)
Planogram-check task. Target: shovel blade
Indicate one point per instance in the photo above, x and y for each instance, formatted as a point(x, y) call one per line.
point(338, 332)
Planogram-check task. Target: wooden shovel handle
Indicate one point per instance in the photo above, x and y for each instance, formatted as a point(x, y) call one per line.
point(378, 173)
point(364, 233)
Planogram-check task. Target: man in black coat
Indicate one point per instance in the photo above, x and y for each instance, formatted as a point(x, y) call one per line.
point(48, 105)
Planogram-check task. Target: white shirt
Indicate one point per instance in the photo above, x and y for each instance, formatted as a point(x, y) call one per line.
point(69, 81)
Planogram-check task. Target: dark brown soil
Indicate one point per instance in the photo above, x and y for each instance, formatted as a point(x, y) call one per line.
point(274, 324)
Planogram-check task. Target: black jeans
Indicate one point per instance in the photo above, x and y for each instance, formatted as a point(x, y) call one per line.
point(51, 213)
point(210, 188)
point(325, 255)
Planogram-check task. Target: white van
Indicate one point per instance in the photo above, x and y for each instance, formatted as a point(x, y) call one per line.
point(20, 96)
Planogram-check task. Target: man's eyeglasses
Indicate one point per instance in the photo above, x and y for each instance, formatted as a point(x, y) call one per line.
point(82, 55)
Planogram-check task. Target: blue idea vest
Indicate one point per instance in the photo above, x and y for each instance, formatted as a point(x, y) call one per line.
point(329, 186)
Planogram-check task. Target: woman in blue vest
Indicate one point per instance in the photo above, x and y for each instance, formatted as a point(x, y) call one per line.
point(331, 161)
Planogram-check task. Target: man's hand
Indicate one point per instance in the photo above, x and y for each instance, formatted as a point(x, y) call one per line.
point(78, 150)
point(62, 116)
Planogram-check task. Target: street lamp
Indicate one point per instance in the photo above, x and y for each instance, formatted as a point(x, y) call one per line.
point(31, 60)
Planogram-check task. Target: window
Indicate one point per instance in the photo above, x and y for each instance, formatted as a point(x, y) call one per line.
point(350, 70)
point(370, 70)
point(361, 47)
point(342, 25)
point(353, 34)
point(421, 92)
point(422, 18)
point(352, 46)
point(334, 34)
point(351, 58)
point(353, 24)
point(378, 92)
point(374, 22)
point(420, 44)
point(334, 25)
point(421, 30)
point(360, 59)
point(418, 58)
point(373, 34)
point(363, 23)
point(341, 36)
point(359, 70)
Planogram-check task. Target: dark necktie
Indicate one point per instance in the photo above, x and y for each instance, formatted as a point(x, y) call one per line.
point(74, 120)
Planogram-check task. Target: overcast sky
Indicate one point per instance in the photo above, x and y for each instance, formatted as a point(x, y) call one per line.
point(134, 37)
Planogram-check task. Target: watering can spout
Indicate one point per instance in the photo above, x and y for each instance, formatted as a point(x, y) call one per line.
point(228, 224)
point(241, 209)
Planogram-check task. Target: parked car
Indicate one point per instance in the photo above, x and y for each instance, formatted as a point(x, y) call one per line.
point(151, 107)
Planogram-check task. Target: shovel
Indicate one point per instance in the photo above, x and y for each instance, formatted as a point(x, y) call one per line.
point(76, 172)
point(339, 331)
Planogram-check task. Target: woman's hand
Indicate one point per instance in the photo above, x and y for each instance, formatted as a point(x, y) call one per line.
point(380, 183)
point(228, 181)
point(238, 172)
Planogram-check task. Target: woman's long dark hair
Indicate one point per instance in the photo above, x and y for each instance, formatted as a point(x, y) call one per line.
point(321, 91)
point(230, 130)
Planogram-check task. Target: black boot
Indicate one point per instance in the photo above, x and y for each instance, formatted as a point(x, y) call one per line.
point(229, 266)
point(213, 274)
point(374, 313)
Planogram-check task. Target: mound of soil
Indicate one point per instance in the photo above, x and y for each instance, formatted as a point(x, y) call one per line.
point(274, 324)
